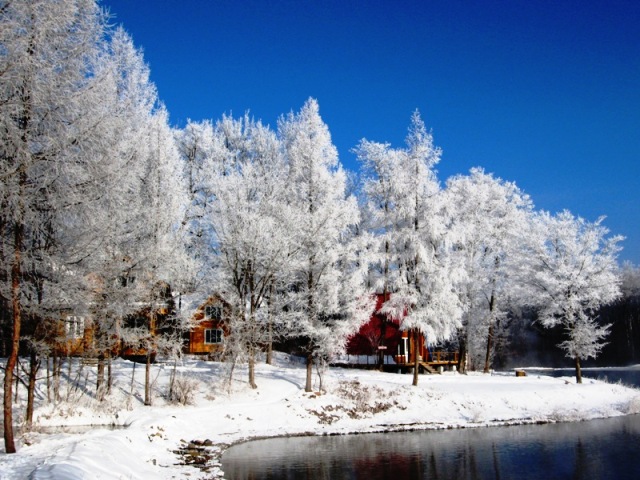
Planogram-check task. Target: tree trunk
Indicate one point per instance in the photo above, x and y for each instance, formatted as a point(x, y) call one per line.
point(100, 378)
point(48, 381)
point(308, 387)
point(33, 370)
point(172, 378)
point(270, 331)
point(252, 370)
point(133, 381)
point(56, 378)
point(462, 354)
point(487, 360)
point(416, 360)
point(269, 360)
point(147, 379)
point(69, 382)
point(16, 273)
point(578, 370)
point(381, 352)
point(109, 374)
point(17, 377)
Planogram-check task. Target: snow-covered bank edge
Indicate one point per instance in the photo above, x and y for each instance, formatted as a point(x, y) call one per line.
point(354, 402)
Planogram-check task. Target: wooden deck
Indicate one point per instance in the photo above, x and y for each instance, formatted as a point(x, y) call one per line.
point(436, 362)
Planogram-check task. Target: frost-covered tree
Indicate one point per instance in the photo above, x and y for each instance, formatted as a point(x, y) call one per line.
point(381, 188)
point(161, 259)
point(197, 145)
point(415, 253)
point(575, 272)
point(630, 281)
point(49, 128)
point(117, 218)
point(488, 216)
point(322, 220)
point(249, 224)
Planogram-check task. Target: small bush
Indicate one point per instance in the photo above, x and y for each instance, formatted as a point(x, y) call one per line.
point(183, 391)
point(366, 400)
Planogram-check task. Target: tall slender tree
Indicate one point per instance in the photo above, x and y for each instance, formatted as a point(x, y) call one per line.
point(119, 217)
point(488, 216)
point(322, 218)
point(49, 94)
point(381, 188)
point(416, 254)
point(249, 223)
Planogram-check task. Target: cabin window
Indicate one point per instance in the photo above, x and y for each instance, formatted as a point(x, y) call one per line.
point(213, 335)
point(74, 327)
point(136, 322)
point(213, 312)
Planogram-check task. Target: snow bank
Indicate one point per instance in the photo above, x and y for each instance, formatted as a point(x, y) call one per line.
point(161, 439)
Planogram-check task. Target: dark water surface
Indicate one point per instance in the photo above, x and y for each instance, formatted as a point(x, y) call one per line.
point(597, 449)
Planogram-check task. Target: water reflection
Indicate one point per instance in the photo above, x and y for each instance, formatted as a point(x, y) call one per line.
point(596, 449)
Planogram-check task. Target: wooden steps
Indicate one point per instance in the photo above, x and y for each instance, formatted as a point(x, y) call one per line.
point(428, 368)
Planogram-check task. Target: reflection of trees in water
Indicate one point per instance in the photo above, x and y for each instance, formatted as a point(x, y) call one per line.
point(595, 449)
point(496, 463)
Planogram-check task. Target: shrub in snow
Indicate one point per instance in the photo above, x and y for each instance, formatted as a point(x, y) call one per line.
point(364, 398)
point(183, 391)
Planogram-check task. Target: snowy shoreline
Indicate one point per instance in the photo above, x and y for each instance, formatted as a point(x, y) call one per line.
point(161, 438)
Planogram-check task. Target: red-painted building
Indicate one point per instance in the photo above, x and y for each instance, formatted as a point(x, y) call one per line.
point(382, 337)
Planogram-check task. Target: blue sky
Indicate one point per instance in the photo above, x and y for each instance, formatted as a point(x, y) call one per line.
point(543, 93)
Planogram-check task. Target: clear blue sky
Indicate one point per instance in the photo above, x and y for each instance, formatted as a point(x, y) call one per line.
point(544, 93)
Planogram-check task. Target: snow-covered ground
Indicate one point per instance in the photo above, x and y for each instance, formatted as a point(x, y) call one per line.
point(159, 440)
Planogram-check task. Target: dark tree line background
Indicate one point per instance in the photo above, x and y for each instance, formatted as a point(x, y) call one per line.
point(530, 344)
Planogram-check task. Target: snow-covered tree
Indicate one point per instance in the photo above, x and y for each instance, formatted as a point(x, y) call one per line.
point(197, 145)
point(488, 216)
point(630, 275)
point(381, 188)
point(322, 220)
point(160, 254)
point(116, 218)
point(248, 220)
point(415, 253)
point(575, 272)
point(49, 117)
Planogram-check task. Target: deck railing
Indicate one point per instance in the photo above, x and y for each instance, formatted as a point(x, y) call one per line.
point(443, 357)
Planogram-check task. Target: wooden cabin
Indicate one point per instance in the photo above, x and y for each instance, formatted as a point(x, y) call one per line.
point(395, 349)
point(68, 336)
point(378, 332)
point(144, 326)
point(210, 327)
point(74, 335)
